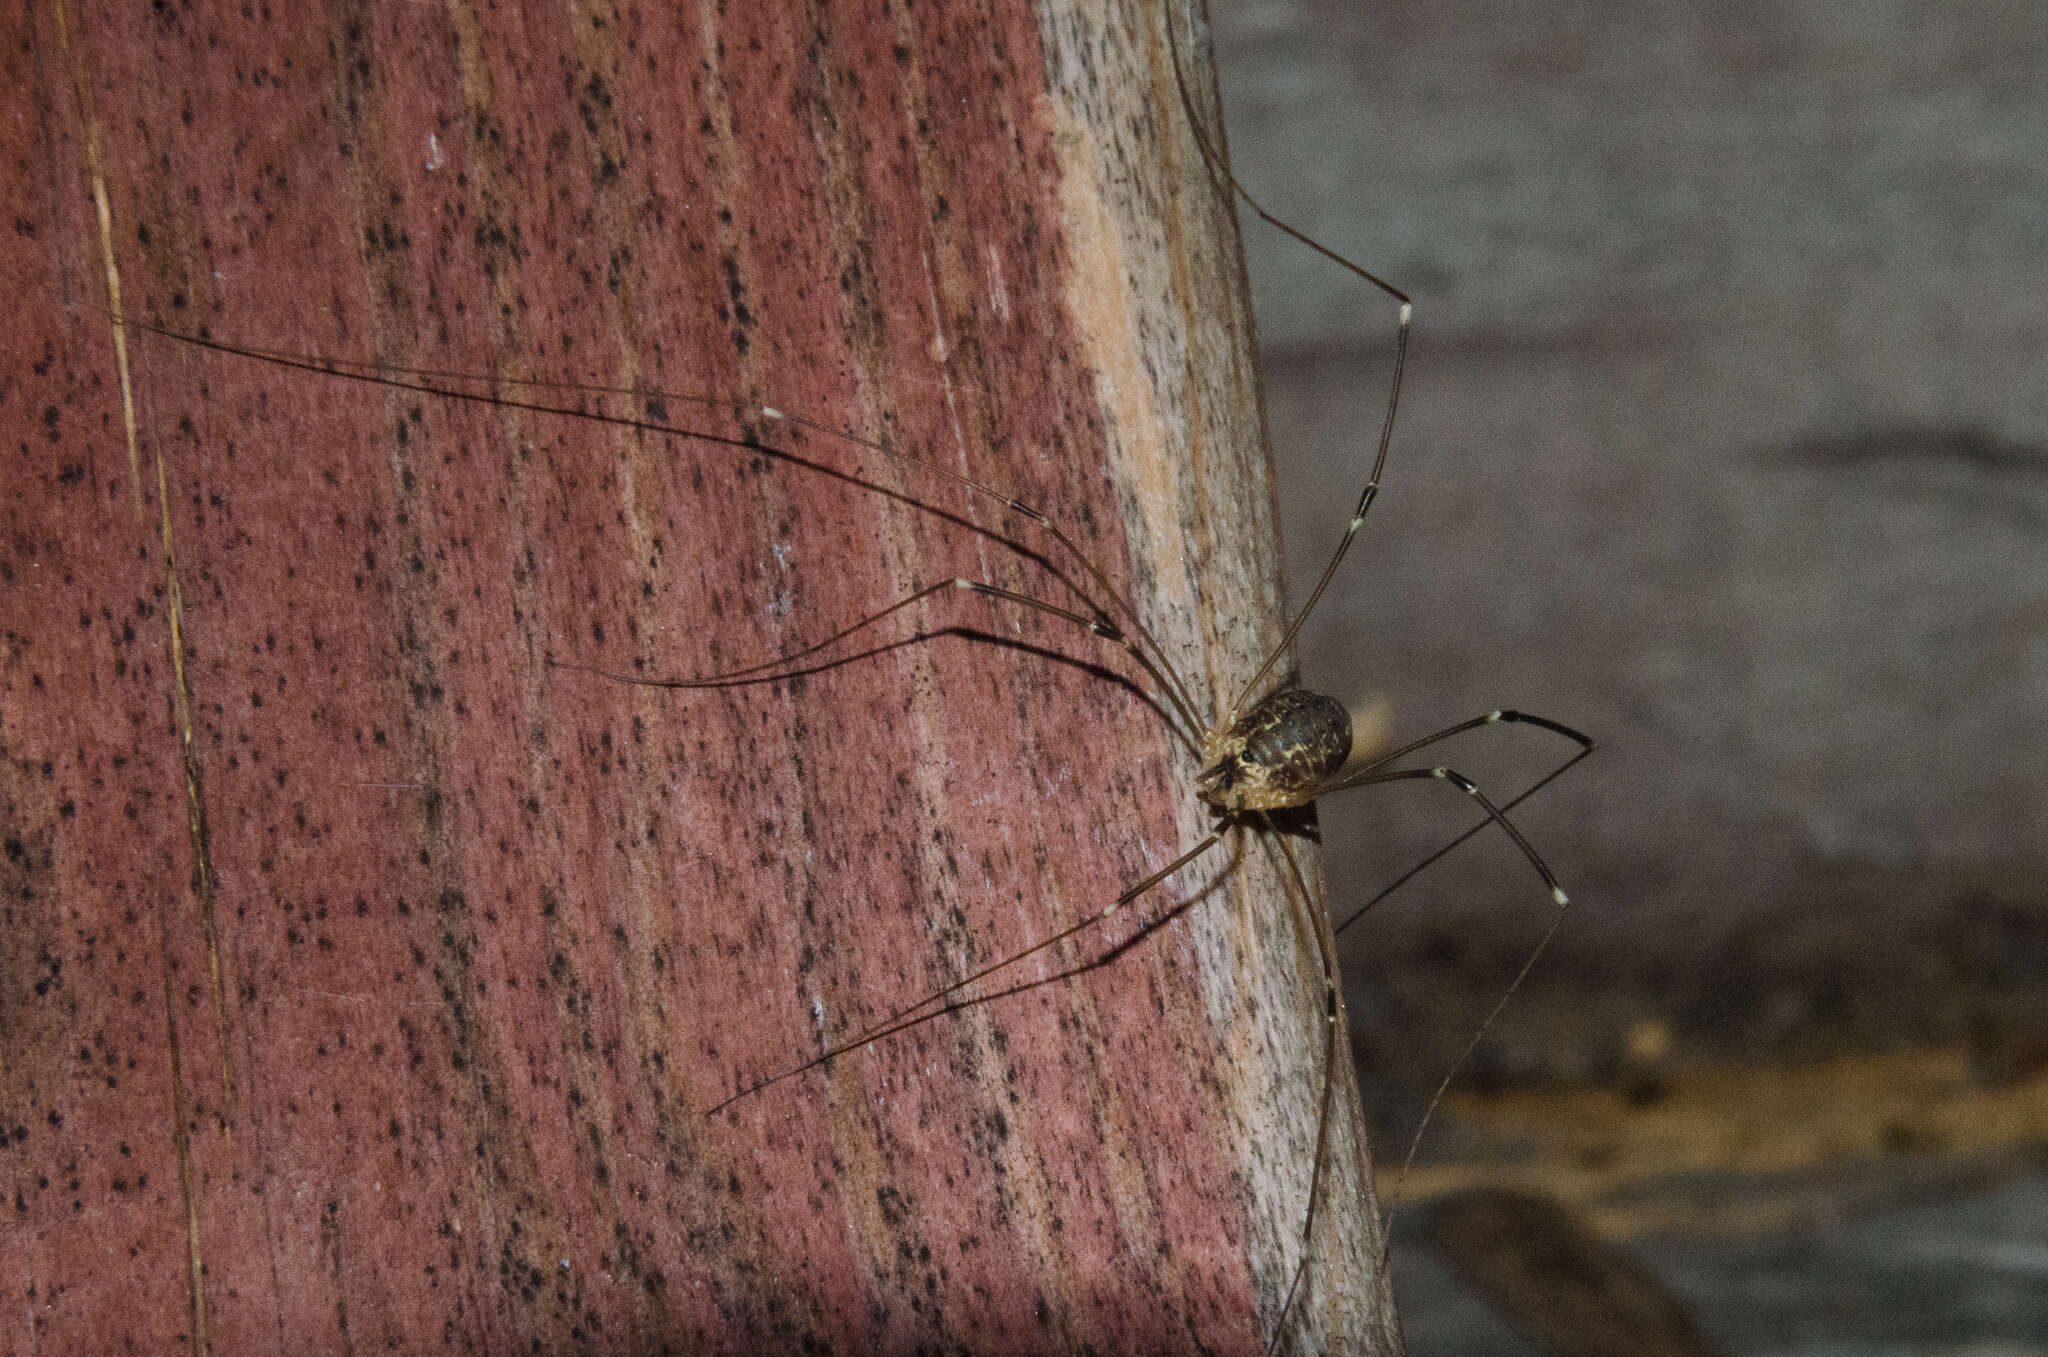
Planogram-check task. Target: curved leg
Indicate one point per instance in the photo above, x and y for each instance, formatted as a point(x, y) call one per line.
point(789, 664)
point(1318, 924)
point(449, 385)
point(1586, 746)
point(1467, 786)
point(923, 1011)
point(1557, 895)
point(1226, 181)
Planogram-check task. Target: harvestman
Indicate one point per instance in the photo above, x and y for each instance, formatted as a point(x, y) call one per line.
point(1280, 751)
point(1275, 746)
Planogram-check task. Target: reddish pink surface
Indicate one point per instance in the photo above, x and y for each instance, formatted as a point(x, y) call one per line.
point(491, 937)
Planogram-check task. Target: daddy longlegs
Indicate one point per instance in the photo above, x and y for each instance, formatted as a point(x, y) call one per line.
point(1275, 746)
point(1270, 747)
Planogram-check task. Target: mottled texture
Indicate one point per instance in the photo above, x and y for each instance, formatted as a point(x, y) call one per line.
point(1278, 754)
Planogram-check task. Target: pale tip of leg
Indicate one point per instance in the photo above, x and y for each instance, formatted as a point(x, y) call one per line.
point(771, 412)
point(1557, 894)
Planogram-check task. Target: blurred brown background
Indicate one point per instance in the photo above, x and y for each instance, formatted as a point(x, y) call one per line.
point(1726, 439)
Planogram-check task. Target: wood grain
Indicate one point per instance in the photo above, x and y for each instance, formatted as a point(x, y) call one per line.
point(366, 980)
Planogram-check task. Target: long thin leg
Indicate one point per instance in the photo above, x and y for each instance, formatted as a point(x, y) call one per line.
point(789, 664)
point(433, 382)
point(759, 673)
point(1208, 841)
point(1219, 170)
point(916, 1014)
point(1318, 925)
point(1431, 859)
point(1170, 675)
point(1585, 743)
point(1436, 1098)
point(1557, 895)
point(1467, 786)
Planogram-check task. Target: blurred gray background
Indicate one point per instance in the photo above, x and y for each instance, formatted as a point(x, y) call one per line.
point(1725, 439)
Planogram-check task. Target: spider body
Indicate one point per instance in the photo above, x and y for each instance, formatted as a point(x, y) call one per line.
point(1278, 755)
